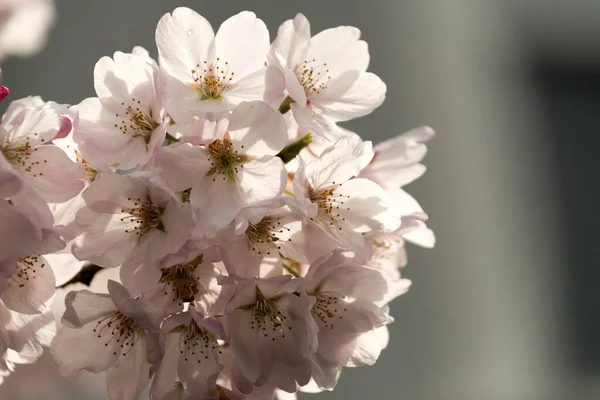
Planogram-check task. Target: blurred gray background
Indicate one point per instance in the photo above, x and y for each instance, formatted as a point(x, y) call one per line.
point(507, 306)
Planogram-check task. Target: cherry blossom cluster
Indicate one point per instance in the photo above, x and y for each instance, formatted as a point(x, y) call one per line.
point(258, 243)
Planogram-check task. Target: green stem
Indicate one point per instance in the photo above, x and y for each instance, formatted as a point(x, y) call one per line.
point(285, 105)
point(290, 151)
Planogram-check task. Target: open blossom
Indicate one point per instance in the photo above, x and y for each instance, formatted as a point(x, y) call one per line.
point(26, 127)
point(344, 207)
point(349, 301)
point(325, 75)
point(26, 284)
point(36, 15)
point(27, 225)
point(248, 246)
point(396, 161)
point(186, 277)
point(235, 169)
point(274, 230)
point(191, 356)
point(131, 220)
point(272, 333)
point(126, 123)
point(105, 333)
point(207, 72)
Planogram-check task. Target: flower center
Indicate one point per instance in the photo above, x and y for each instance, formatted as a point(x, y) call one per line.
point(384, 248)
point(263, 237)
point(267, 318)
point(196, 342)
point(224, 160)
point(118, 328)
point(26, 271)
point(331, 205)
point(20, 155)
point(328, 307)
point(144, 216)
point(211, 79)
point(312, 76)
point(181, 281)
point(136, 122)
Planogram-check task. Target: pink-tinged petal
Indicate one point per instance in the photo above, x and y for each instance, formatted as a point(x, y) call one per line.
point(83, 307)
point(53, 175)
point(312, 119)
point(30, 286)
point(257, 129)
point(423, 237)
point(351, 95)
point(216, 203)
point(199, 374)
point(10, 180)
point(124, 77)
point(4, 92)
point(295, 89)
point(66, 126)
point(339, 163)
point(340, 49)
point(368, 347)
point(20, 234)
point(255, 86)
point(245, 346)
point(181, 165)
point(182, 102)
point(31, 121)
point(130, 374)
point(183, 40)
point(29, 334)
point(274, 87)
point(396, 161)
point(243, 42)
point(75, 349)
point(262, 178)
point(138, 274)
point(367, 206)
point(309, 244)
point(291, 43)
point(105, 241)
point(163, 382)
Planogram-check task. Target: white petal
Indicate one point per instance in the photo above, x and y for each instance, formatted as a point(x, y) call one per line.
point(292, 41)
point(130, 375)
point(10, 181)
point(75, 349)
point(183, 40)
point(181, 165)
point(243, 42)
point(352, 94)
point(29, 333)
point(30, 286)
point(258, 128)
point(312, 119)
point(262, 178)
point(255, 86)
point(105, 241)
point(339, 162)
point(83, 306)
point(53, 175)
point(341, 49)
point(368, 207)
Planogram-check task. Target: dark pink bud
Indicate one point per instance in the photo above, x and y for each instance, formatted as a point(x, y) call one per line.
point(65, 127)
point(4, 92)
